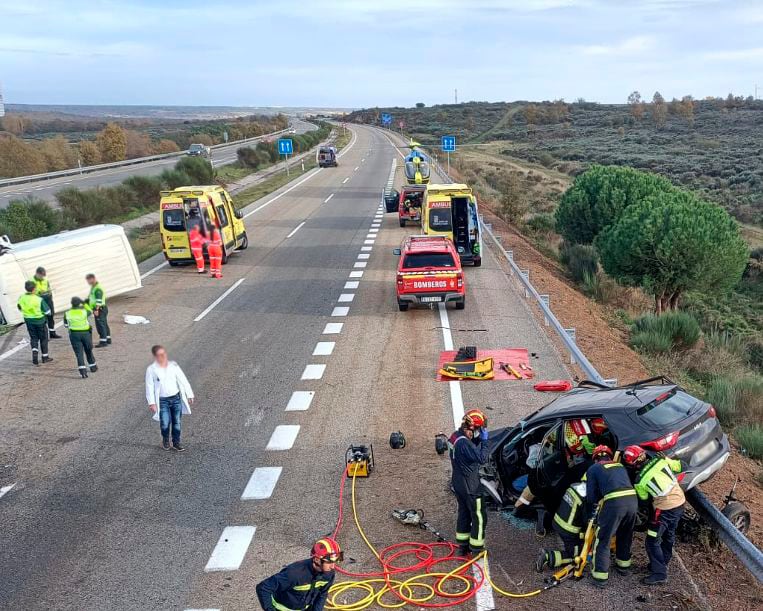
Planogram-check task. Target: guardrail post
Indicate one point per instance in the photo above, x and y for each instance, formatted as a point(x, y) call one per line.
point(546, 301)
point(573, 338)
point(611, 382)
point(490, 228)
point(526, 275)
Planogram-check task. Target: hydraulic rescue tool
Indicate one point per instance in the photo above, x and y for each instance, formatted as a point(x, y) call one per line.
point(578, 566)
point(415, 517)
point(397, 440)
point(360, 460)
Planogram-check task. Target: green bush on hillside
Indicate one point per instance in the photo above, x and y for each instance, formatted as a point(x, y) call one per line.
point(200, 170)
point(580, 260)
point(750, 437)
point(29, 218)
point(669, 331)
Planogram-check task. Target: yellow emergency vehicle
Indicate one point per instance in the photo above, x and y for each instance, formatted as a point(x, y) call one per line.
point(451, 210)
point(184, 207)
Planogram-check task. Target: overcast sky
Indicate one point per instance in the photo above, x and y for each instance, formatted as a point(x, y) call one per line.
point(374, 52)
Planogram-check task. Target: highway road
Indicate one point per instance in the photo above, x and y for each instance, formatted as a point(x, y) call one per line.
point(302, 353)
point(47, 189)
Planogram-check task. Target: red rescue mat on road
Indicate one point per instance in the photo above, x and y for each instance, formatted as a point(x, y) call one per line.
point(554, 385)
point(511, 356)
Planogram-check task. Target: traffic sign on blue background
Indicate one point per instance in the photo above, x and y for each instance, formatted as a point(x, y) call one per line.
point(386, 118)
point(448, 144)
point(285, 146)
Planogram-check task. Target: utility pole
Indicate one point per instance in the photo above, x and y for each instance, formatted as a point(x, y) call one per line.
point(455, 95)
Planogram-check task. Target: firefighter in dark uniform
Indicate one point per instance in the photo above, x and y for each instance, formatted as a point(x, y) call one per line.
point(81, 335)
point(43, 290)
point(303, 585)
point(34, 310)
point(468, 450)
point(97, 302)
point(569, 523)
point(608, 483)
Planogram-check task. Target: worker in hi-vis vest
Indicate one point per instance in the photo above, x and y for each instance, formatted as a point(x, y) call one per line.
point(77, 320)
point(97, 302)
point(35, 311)
point(43, 289)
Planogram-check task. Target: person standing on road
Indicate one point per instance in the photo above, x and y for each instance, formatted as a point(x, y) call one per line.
point(169, 395)
point(197, 241)
point(656, 479)
point(215, 251)
point(34, 309)
point(468, 450)
point(608, 483)
point(302, 585)
point(44, 291)
point(81, 335)
point(97, 302)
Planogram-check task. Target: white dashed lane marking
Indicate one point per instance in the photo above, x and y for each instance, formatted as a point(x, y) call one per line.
point(340, 311)
point(296, 229)
point(326, 201)
point(360, 264)
point(368, 241)
point(313, 372)
point(345, 180)
point(332, 328)
point(283, 437)
point(230, 549)
point(300, 400)
point(324, 349)
point(356, 274)
point(346, 297)
point(262, 483)
point(366, 248)
point(351, 284)
point(363, 255)
point(6, 489)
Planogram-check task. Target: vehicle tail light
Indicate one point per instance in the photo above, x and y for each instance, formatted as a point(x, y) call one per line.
point(663, 443)
point(460, 281)
point(711, 412)
point(400, 280)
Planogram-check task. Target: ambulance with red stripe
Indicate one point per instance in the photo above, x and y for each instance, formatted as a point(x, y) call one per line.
point(429, 272)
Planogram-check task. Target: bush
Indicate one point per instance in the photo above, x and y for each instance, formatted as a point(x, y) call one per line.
point(579, 259)
point(541, 223)
point(199, 169)
point(750, 437)
point(678, 331)
point(599, 287)
point(721, 394)
point(175, 178)
point(145, 190)
point(87, 207)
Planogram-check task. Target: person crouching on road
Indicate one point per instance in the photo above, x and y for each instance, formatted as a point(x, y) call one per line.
point(608, 484)
point(81, 335)
point(169, 395)
point(97, 302)
point(197, 241)
point(656, 479)
point(44, 291)
point(34, 309)
point(468, 451)
point(302, 585)
point(215, 251)
point(569, 524)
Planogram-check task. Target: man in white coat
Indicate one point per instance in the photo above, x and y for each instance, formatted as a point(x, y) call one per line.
point(169, 395)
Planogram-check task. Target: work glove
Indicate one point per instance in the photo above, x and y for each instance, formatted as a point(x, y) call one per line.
point(483, 434)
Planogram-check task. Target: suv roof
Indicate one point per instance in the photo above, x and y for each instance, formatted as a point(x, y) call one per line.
point(587, 398)
point(426, 243)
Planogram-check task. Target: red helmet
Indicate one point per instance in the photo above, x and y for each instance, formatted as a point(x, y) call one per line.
point(598, 426)
point(327, 549)
point(633, 455)
point(602, 451)
point(474, 419)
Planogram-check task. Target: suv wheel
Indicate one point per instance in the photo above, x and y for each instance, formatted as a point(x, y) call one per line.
point(402, 222)
point(460, 305)
point(403, 306)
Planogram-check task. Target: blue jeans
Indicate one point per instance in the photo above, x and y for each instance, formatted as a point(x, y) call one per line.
point(170, 410)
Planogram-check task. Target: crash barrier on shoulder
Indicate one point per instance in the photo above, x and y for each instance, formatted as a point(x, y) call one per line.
point(117, 164)
point(739, 545)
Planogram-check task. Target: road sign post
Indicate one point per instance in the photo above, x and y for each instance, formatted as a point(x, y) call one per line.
point(286, 147)
point(448, 146)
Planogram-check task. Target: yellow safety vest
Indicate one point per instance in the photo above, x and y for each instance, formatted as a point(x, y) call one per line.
point(42, 284)
point(92, 301)
point(31, 306)
point(76, 319)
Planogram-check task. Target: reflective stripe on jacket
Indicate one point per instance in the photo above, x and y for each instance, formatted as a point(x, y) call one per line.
point(657, 479)
point(607, 480)
point(97, 297)
point(466, 458)
point(570, 515)
point(296, 587)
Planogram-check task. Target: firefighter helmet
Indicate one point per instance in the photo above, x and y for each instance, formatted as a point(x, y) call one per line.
point(474, 419)
point(327, 549)
point(598, 426)
point(602, 452)
point(633, 455)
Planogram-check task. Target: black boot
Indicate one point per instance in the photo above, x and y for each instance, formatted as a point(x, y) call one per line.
point(83, 373)
point(54, 335)
point(47, 359)
point(541, 562)
point(34, 359)
point(93, 368)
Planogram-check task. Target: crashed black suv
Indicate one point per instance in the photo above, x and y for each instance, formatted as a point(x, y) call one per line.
point(655, 414)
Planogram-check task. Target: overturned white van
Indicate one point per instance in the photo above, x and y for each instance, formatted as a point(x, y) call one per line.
point(67, 257)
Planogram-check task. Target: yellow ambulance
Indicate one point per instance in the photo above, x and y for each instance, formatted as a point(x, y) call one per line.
point(451, 210)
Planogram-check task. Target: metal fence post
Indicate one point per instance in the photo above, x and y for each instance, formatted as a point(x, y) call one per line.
point(526, 275)
point(573, 337)
point(611, 382)
point(546, 300)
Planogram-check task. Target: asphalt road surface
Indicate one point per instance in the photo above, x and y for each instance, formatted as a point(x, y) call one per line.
point(47, 189)
point(305, 355)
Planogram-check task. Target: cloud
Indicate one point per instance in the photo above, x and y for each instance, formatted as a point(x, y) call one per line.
point(634, 44)
point(735, 55)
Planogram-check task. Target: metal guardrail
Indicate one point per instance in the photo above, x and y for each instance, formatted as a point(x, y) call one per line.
point(5, 182)
point(739, 545)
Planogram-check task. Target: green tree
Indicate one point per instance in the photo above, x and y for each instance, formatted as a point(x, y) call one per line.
point(672, 242)
point(659, 109)
point(420, 104)
point(598, 197)
point(112, 143)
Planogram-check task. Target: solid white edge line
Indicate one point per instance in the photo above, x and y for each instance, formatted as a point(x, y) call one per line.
point(6, 489)
point(300, 400)
point(262, 483)
point(283, 437)
point(218, 300)
point(296, 229)
point(153, 270)
point(326, 201)
point(230, 549)
point(324, 348)
point(282, 193)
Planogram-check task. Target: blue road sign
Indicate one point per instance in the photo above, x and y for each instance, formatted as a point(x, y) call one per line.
point(285, 146)
point(448, 144)
point(386, 118)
